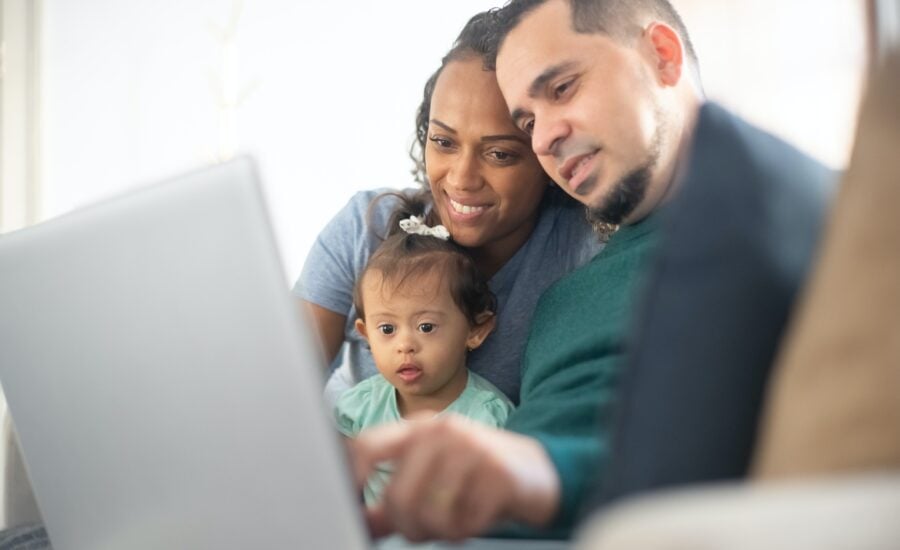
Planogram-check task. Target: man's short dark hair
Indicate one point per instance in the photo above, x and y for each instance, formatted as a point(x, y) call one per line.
point(615, 18)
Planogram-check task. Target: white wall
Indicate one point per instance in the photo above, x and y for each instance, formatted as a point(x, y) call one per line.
point(331, 92)
point(130, 90)
point(794, 67)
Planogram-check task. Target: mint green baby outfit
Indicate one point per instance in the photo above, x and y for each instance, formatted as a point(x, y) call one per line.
point(374, 401)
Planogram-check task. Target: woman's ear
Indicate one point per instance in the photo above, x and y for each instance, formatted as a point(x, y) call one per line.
point(360, 326)
point(668, 52)
point(484, 324)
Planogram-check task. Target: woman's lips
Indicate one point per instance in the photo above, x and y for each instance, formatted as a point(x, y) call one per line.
point(459, 211)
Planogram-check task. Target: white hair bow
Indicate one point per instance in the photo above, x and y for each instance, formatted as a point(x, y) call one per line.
point(415, 225)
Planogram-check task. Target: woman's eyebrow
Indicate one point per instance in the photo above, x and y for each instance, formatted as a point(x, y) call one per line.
point(506, 137)
point(437, 122)
point(490, 138)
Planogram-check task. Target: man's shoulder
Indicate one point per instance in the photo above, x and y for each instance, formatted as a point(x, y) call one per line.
point(746, 181)
point(725, 143)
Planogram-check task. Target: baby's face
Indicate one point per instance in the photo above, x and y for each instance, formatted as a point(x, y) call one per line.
point(418, 335)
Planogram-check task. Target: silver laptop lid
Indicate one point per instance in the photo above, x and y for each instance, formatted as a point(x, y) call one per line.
point(164, 391)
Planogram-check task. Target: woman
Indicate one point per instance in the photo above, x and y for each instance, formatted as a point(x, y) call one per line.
point(486, 186)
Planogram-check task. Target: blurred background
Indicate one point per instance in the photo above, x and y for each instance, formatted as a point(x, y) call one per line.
point(101, 95)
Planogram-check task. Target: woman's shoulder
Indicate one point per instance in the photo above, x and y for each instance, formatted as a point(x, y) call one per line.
point(564, 228)
point(362, 201)
point(363, 216)
point(375, 206)
point(564, 210)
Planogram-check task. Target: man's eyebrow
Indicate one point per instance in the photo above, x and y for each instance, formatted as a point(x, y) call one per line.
point(437, 122)
point(549, 74)
point(538, 84)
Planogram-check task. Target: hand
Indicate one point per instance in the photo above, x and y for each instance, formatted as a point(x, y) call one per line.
point(454, 478)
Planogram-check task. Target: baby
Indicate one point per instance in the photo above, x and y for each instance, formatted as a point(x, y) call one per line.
point(422, 305)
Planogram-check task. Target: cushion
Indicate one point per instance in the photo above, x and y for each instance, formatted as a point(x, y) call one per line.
point(835, 399)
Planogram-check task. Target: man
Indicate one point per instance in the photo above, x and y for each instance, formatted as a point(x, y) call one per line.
point(609, 92)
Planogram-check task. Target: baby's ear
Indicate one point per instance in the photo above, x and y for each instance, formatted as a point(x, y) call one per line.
point(360, 326)
point(484, 324)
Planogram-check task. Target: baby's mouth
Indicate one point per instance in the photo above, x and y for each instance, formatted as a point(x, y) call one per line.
point(409, 373)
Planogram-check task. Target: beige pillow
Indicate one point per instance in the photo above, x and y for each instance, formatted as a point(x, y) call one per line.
point(834, 402)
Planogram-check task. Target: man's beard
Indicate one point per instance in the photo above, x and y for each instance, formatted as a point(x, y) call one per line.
point(627, 193)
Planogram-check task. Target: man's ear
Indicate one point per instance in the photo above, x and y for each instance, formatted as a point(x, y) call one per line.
point(484, 324)
point(360, 326)
point(668, 52)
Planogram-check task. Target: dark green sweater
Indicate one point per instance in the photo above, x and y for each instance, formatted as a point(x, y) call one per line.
point(572, 361)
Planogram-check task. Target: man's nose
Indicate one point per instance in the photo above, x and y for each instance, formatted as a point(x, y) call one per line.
point(547, 135)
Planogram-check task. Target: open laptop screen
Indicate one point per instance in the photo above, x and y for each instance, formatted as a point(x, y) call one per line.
point(164, 391)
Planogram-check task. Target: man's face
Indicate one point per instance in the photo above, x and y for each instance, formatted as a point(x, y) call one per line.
point(590, 105)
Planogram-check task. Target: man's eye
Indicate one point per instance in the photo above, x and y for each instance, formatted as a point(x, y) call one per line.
point(426, 328)
point(386, 329)
point(528, 127)
point(561, 89)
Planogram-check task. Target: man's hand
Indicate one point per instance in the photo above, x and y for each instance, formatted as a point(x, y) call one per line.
point(454, 478)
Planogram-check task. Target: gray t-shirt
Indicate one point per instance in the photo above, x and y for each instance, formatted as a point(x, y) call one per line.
point(561, 241)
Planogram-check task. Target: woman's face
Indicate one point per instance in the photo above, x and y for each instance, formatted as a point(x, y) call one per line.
point(486, 181)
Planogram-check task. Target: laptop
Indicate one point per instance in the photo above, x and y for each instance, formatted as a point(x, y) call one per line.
point(164, 389)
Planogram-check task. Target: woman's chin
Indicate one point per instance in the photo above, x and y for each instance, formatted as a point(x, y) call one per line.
point(468, 238)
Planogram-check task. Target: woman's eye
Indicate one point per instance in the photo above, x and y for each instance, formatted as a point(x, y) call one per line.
point(502, 156)
point(443, 143)
point(426, 327)
point(386, 329)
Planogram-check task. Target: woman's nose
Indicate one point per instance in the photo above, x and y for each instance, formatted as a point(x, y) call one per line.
point(464, 173)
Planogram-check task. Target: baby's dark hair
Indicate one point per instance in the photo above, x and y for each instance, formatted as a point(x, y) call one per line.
point(403, 257)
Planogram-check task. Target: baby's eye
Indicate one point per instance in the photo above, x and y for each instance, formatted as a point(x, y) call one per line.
point(386, 329)
point(426, 328)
